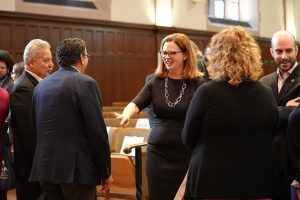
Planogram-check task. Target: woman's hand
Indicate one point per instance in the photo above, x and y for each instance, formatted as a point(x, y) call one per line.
point(124, 119)
point(130, 110)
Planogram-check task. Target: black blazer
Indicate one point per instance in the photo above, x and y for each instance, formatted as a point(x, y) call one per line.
point(294, 144)
point(24, 138)
point(289, 90)
point(8, 84)
point(72, 141)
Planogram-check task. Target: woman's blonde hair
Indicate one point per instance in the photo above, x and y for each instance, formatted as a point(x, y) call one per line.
point(235, 56)
point(190, 68)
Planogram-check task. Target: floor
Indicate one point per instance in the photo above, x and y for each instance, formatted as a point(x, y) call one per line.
point(115, 194)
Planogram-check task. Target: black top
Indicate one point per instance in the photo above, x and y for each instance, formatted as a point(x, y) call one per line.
point(230, 131)
point(154, 93)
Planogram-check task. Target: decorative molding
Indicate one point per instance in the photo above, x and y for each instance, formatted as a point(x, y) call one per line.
point(71, 3)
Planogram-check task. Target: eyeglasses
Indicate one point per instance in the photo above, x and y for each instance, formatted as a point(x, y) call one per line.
point(87, 55)
point(171, 54)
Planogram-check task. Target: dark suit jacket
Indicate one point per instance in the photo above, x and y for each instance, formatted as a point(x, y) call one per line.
point(24, 139)
point(290, 90)
point(72, 141)
point(294, 144)
point(8, 84)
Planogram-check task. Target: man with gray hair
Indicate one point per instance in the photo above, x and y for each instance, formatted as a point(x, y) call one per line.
point(38, 64)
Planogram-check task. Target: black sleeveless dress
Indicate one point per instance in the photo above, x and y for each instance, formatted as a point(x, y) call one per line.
point(167, 157)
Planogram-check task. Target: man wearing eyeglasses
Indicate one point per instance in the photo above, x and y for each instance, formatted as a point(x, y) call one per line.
point(72, 154)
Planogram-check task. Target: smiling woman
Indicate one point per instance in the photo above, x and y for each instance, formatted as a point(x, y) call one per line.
point(170, 91)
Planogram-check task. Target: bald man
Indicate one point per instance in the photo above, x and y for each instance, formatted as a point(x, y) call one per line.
point(285, 84)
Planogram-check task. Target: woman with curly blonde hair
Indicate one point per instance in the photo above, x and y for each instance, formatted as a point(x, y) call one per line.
point(230, 124)
point(236, 57)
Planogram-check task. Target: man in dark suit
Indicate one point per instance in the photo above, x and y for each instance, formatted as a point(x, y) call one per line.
point(72, 154)
point(38, 64)
point(285, 84)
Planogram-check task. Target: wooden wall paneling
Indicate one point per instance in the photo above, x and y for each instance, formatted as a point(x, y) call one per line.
point(6, 30)
point(78, 33)
point(267, 59)
point(120, 42)
point(55, 36)
point(67, 32)
point(107, 79)
point(98, 42)
point(151, 50)
point(44, 32)
point(20, 33)
point(18, 41)
point(32, 31)
point(122, 54)
point(109, 42)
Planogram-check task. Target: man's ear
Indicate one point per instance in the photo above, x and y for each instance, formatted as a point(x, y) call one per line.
point(82, 58)
point(271, 51)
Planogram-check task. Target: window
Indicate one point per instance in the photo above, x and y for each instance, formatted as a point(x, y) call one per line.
point(219, 9)
point(234, 9)
point(226, 9)
point(228, 12)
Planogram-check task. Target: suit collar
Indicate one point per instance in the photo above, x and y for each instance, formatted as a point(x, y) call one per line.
point(68, 69)
point(292, 80)
point(31, 78)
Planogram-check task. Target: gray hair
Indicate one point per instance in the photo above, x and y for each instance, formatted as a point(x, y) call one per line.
point(32, 49)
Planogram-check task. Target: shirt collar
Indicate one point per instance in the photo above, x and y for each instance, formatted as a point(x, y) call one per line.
point(291, 70)
point(75, 68)
point(34, 75)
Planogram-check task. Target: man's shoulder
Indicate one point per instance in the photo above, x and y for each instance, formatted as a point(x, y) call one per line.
point(268, 77)
point(22, 82)
point(84, 77)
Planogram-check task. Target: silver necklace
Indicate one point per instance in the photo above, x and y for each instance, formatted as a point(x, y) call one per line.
point(169, 103)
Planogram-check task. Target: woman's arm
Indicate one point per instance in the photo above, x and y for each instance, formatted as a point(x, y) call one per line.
point(130, 110)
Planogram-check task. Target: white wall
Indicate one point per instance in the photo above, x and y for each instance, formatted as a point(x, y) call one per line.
point(297, 19)
point(189, 14)
point(186, 13)
point(133, 11)
point(271, 17)
point(7, 5)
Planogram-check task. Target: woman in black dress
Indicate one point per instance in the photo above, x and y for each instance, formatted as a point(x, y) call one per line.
point(169, 92)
